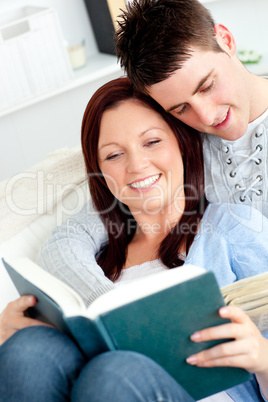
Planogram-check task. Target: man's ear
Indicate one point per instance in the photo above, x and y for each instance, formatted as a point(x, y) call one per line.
point(225, 39)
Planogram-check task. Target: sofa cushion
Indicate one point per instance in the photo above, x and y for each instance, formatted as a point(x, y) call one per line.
point(57, 186)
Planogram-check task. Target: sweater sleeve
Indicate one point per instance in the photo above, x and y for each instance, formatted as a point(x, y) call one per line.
point(232, 241)
point(69, 254)
point(248, 241)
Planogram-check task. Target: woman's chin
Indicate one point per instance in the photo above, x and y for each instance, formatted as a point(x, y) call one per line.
point(152, 207)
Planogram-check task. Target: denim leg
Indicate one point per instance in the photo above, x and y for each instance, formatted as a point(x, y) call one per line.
point(122, 376)
point(38, 364)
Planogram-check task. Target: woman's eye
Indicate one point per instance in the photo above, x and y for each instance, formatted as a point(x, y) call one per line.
point(152, 143)
point(112, 157)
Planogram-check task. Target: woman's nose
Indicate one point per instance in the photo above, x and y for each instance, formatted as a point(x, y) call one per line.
point(137, 162)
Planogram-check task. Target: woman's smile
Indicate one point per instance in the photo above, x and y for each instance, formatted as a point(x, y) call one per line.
point(145, 184)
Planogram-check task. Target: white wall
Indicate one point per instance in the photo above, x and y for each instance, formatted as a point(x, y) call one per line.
point(246, 19)
point(27, 135)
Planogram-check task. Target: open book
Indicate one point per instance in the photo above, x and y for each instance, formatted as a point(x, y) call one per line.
point(251, 294)
point(154, 315)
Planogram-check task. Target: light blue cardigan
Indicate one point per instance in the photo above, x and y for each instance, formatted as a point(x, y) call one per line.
point(232, 241)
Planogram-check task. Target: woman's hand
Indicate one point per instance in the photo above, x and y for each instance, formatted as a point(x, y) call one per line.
point(12, 317)
point(248, 349)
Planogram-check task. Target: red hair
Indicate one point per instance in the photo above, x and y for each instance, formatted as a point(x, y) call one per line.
point(118, 220)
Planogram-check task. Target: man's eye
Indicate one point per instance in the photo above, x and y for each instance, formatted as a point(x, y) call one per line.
point(181, 111)
point(208, 88)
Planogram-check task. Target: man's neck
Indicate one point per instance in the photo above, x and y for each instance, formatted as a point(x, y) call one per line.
point(259, 96)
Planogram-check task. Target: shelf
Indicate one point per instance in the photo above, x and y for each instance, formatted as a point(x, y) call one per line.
point(101, 65)
point(98, 66)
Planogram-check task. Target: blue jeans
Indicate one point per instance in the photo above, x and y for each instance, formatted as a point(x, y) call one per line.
point(42, 364)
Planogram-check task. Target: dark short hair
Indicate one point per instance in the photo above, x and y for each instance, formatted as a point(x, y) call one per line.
point(116, 215)
point(155, 38)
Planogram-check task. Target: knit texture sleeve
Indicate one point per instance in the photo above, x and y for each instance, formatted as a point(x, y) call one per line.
point(69, 254)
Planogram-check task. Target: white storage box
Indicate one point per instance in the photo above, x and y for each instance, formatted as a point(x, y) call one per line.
point(33, 58)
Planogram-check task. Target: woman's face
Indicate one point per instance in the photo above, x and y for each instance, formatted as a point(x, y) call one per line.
point(140, 159)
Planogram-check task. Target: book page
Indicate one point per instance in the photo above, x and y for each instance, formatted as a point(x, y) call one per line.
point(250, 294)
point(69, 301)
point(261, 319)
point(247, 293)
point(250, 304)
point(252, 282)
point(259, 316)
point(141, 288)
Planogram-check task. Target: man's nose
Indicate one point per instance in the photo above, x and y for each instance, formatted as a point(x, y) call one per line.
point(206, 112)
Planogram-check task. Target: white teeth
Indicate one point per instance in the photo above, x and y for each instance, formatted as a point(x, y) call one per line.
point(145, 183)
point(223, 118)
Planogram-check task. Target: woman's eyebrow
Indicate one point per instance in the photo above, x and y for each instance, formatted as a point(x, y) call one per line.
point(140, 135)
point(106, 145)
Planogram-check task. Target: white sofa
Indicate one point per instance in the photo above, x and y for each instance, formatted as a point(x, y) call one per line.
point(50, 197)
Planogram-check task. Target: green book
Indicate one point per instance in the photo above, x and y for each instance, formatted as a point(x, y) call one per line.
point(154, 315)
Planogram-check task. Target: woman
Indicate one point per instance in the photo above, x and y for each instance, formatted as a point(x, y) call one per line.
point(146, 181)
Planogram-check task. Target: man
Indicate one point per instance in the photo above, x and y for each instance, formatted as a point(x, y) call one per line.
point(173, 51)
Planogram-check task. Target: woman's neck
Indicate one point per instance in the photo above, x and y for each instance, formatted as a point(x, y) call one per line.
point(157, 224)
point(151, 231)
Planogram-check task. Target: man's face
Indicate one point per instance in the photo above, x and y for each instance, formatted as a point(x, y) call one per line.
point(209, 93)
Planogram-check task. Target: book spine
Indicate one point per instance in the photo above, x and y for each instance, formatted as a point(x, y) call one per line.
point(105, 334)
point(89, 336)
point(102, 25)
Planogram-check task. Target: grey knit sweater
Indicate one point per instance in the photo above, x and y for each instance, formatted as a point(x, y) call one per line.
point(69, 254)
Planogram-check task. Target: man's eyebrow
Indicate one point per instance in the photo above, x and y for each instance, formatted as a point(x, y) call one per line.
point(199, 85)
